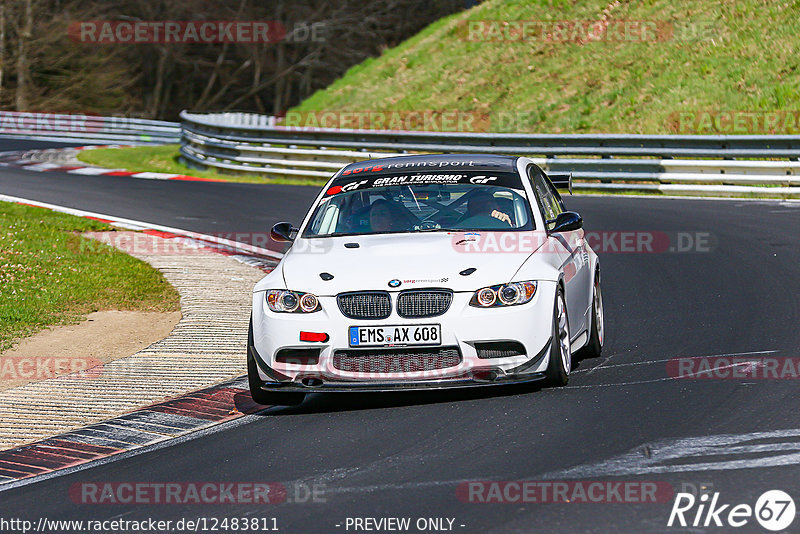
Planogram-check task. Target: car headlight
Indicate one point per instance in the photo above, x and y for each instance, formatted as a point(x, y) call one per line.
point(510, 294)
point(285, 301)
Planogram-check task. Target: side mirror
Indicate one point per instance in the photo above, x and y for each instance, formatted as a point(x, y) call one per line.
point(282, 232)
point(567, 222)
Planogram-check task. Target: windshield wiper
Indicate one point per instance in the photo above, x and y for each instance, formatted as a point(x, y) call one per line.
point(335, 234)
point(439, 230)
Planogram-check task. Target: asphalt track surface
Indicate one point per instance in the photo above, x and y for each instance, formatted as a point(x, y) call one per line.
point(405, 454)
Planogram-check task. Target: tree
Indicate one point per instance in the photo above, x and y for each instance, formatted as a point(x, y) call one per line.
point(55, 71)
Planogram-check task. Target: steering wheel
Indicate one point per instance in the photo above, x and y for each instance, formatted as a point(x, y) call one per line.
point(483, 222)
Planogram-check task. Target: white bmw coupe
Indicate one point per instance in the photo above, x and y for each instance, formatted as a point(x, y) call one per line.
point(425, 272)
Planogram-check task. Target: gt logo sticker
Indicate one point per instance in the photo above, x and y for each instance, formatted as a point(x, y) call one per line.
point(353, 185)
point(347, 187)
point(482, 179)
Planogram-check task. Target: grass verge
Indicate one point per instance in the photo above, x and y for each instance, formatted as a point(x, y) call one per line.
point(50, 275)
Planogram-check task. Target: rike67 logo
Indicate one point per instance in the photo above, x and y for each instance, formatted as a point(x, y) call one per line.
point(774, 510)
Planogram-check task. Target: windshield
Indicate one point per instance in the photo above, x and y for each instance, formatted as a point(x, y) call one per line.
point(420, 207)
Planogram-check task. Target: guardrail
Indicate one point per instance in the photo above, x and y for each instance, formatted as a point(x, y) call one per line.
point(249, 143)
point(87, 128)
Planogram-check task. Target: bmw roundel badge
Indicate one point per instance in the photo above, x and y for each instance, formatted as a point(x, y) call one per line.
point(394, 283)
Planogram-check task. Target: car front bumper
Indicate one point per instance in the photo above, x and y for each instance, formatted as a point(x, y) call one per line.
point(462, 327)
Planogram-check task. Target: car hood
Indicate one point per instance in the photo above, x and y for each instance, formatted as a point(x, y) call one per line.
point(418, 260)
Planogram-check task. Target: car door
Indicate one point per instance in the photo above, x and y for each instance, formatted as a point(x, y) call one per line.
point(571, 248)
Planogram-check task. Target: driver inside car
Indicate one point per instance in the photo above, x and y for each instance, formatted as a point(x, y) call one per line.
point(484, 204)
point(385, 217)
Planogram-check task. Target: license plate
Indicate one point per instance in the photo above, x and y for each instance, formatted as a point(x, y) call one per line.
point(381, 336)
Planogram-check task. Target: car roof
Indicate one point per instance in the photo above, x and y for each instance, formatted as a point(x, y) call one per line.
point(431, 162)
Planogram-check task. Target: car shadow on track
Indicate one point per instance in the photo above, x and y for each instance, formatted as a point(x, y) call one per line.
point(343, 402)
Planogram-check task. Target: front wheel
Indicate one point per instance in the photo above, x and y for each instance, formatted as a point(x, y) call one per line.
point(597, 330)
point(560, 365)
point(269, 398)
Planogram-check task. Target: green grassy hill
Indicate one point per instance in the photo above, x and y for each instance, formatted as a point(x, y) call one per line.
point(688, 64)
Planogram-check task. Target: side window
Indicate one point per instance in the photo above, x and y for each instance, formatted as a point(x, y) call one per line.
point(549, 203)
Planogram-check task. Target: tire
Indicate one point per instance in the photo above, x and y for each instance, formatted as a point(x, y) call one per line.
point(597, 331)
point(560, 364)
point(269, 398)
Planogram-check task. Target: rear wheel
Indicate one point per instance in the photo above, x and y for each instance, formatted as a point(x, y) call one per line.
point(597, 330)
point(560, 365)
point(271, 398)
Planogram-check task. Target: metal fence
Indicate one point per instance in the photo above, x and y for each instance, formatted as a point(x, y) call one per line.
point(87, 128)
point(676, 164)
